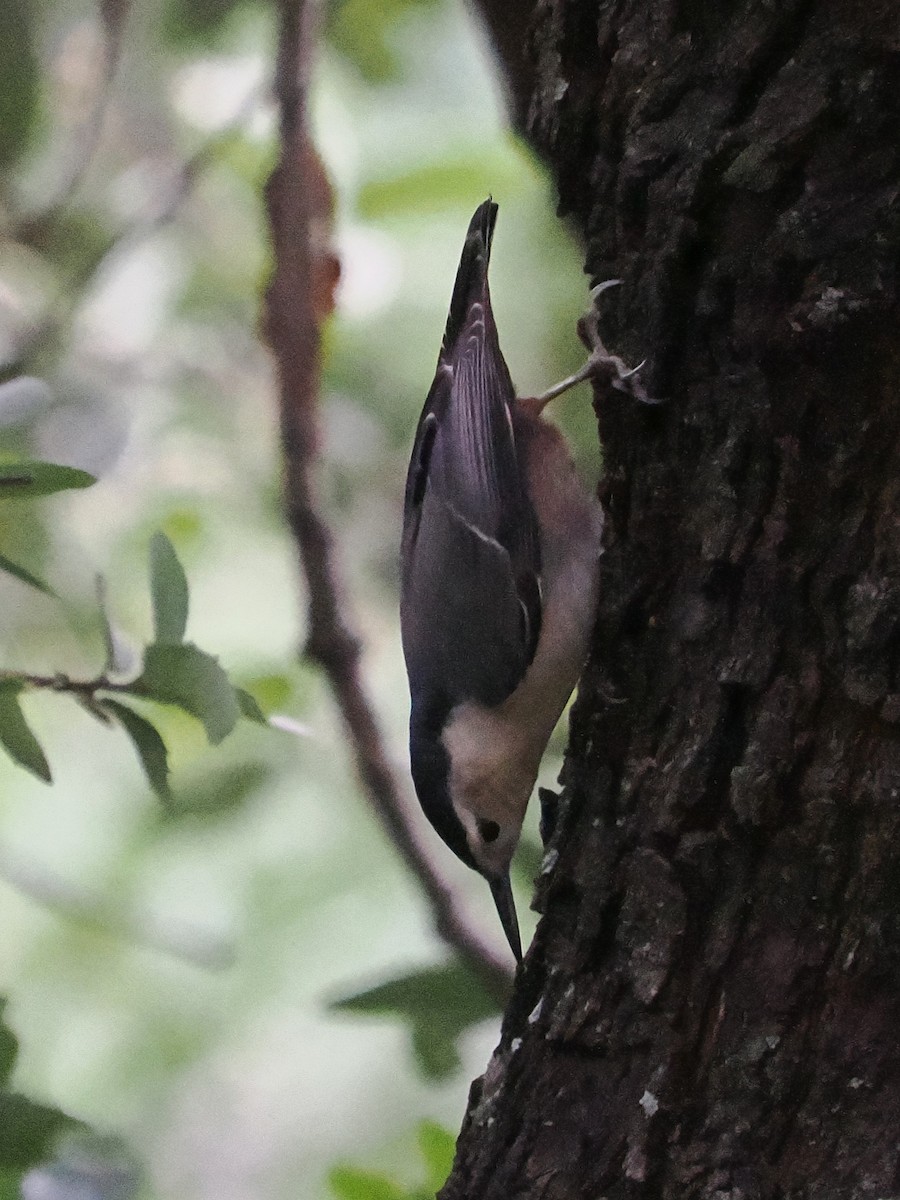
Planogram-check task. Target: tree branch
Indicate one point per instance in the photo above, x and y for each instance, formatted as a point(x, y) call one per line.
point(60, 682)
point(293, 309)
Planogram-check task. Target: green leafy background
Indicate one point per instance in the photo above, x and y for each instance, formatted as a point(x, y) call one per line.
point(210, 954)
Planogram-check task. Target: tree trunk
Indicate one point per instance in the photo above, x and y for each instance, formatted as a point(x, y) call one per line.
point(711, 1007)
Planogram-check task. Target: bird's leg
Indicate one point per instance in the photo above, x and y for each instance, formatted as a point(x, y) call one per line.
point(601, 365)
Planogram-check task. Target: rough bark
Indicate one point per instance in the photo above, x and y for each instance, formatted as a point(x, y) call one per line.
point(711, 1007)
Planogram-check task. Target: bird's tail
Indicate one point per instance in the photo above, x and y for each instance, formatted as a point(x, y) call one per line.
point(471, 275)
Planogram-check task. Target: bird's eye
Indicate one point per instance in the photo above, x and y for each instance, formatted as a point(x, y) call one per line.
point(489, 831)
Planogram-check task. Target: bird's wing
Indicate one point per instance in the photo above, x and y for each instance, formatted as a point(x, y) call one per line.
point(464, 628)
point(470, 607)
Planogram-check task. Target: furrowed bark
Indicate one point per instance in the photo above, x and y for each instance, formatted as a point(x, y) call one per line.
point(711, 1007)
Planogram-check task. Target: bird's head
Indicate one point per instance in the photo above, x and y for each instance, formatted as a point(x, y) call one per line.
point(470, 823)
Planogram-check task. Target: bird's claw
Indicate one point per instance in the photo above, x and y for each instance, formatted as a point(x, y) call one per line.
point(605, 366)
point(635, 370)
point(601, 365)
point(599, 288)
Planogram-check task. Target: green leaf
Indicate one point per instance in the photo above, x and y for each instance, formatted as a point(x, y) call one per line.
point(15, 735)
point(169, 589)
point(27, 1130)
point(24, 576)
point(249, 708)
point(22, 480)
point(192, 680)
point(271, 691)
point(148, 743)
point(438, 1146)
point(19, 78)
point(438, 1003)
point(350, 1183)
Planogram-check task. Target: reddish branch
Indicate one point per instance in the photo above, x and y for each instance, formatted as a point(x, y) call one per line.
point(296, 300)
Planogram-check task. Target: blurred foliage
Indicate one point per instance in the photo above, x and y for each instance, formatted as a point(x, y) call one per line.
point(172, 671)
point(16, 736)
point(84, 1167)
point(25, 480)
point(27, 1130)
point(196, 22)
point(22, 480)
point(436, 1145)
point(437, 1003)
point(363, 31)
point(169, 964)
point(20, 73)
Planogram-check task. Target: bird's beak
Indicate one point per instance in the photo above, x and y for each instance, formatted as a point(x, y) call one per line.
point(501, 890)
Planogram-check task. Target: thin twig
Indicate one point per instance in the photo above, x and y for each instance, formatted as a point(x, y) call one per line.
point(293, 332)
point(64, 683)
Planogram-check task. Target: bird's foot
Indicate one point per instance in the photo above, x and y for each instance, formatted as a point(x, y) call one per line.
point(601, 365)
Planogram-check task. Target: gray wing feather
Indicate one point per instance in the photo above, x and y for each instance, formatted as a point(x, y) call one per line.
point(462, 619)
point(470, 604)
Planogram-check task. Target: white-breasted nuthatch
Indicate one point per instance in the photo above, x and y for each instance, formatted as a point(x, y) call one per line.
point(500, 554)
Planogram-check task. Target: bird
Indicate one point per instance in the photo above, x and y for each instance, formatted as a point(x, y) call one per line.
point(499, 575)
